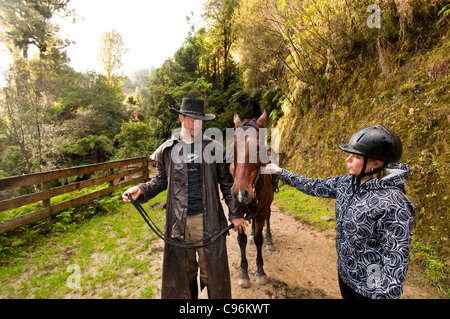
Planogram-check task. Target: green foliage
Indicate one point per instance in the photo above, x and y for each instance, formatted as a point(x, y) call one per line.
point(305, 48)
point(434, 266)
point(25, 109)
point(96, 148)
point(26, 23)
point(202, 68)
point(12, 161)
point(135, 140)
point(445, 11)
point(307, 209)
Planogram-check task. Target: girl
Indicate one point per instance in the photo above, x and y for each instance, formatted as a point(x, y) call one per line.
point(374, 217)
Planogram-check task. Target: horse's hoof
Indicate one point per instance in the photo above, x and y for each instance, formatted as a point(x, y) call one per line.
point(269, 247)
point(261, 280)
point(244, 283)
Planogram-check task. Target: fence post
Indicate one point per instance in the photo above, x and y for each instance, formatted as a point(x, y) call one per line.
point(147, 170)
point(46, 203)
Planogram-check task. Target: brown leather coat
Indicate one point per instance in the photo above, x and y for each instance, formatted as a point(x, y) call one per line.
point(174, 178)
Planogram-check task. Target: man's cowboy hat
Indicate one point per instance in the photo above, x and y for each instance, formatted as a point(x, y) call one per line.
point(194, 108)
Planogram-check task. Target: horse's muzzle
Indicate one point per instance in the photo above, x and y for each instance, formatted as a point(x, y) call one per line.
point(242, 197)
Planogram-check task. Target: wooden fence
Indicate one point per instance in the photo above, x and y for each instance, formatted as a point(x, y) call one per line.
point(117, 174)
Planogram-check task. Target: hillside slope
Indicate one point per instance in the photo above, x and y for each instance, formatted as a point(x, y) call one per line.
point(413, 100)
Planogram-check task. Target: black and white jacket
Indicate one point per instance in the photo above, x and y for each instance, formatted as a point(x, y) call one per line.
point(374, 227)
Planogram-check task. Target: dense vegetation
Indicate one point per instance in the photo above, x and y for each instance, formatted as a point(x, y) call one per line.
point(322, 69)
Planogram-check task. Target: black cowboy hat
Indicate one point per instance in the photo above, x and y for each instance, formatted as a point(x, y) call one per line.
point(194, 108)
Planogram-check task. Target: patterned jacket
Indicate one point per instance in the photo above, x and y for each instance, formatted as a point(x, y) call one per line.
point(374, 227)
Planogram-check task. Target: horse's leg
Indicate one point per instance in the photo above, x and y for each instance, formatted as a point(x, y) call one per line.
point(252, 234)
point(261, 278)
point(244, 280)
point(269, 243)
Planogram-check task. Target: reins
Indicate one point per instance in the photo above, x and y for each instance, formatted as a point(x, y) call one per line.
point(211, 238)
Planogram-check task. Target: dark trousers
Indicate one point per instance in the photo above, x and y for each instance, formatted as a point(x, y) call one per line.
point(347, 292)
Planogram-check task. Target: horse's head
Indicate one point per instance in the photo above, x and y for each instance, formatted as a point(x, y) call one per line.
point(247, 163)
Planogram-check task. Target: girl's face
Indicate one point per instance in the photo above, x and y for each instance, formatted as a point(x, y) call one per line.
point(355, 164)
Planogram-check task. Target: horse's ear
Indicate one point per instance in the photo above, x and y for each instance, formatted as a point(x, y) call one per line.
point(237, 120)
point(261, 122)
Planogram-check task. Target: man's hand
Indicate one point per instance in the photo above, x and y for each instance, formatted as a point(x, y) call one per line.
point(134, 191)
point(239, 224)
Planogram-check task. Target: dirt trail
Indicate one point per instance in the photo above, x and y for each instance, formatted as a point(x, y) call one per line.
point(302, 264)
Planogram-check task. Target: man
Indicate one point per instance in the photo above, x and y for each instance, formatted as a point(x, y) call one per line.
point(193, 208)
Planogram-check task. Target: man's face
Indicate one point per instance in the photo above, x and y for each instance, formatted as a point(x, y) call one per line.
point(194, 126)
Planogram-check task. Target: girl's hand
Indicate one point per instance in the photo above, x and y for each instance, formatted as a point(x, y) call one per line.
point(273, 169)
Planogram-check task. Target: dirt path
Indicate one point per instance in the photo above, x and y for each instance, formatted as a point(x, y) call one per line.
point(301, 266)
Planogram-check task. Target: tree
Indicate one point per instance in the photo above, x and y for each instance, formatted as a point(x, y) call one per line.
point(96, 107)
point(218, 15)
point(111, 53)
point(135, 139)
point(28, 22)
point(33, 87)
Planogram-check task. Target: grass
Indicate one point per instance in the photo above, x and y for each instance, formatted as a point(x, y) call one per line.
point(431, 265)
point(307, 209)
point(112, 255)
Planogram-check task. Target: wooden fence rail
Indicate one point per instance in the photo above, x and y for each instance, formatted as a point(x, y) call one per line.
point(130, 172)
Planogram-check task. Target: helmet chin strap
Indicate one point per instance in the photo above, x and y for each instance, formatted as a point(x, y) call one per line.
point(362, 174)
point(356, 181)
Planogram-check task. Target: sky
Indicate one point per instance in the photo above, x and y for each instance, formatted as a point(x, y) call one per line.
point(152, 31)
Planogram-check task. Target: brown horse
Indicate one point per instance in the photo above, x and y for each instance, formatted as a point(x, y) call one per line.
point(252, 190)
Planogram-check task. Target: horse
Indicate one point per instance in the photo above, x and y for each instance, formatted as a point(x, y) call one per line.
point(252, 190)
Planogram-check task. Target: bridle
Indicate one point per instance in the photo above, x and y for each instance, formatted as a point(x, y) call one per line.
point(265, 149)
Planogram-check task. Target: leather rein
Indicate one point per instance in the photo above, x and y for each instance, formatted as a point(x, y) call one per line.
point(189, 245)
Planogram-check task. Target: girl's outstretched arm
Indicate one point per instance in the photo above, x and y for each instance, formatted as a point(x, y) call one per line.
point(315, 187)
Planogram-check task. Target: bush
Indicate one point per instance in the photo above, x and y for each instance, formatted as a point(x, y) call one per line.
point(135, 140)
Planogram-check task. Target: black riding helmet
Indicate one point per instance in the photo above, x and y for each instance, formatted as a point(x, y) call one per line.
point(376, 142)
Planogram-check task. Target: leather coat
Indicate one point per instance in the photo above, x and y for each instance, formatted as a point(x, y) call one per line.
point(173, 176)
